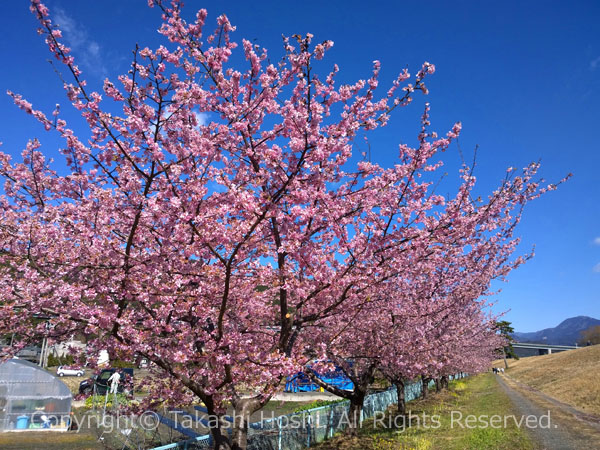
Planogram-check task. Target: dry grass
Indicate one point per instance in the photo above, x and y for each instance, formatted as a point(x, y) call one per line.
point(72, 382)
point(572, 377)
point(580, 430)
point(48, 440)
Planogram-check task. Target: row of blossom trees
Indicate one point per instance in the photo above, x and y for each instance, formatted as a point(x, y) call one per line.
point(233, 253)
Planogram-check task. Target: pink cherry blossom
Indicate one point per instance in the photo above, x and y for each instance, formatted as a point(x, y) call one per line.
point(231, 253)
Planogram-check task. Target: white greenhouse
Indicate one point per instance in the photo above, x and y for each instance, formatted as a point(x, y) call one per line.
point(32, 398)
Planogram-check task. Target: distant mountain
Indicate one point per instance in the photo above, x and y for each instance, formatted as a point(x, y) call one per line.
point(566, 333)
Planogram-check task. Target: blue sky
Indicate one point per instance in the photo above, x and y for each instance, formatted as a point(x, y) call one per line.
point(522, 77)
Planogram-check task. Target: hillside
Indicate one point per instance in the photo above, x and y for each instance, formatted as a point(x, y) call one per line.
point(566, 333)
point(571, 376)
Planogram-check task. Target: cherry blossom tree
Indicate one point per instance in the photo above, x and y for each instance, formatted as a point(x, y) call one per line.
point(215, 249)
point(431, 314)
point(447, 328)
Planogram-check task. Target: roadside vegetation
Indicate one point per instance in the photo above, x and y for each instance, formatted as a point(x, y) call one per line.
point(429, 424)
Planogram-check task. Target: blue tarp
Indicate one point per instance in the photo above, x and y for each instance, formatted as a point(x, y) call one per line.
point(300, 382)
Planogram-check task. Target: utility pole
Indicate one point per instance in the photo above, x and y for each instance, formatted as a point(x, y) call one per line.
point(41, 362)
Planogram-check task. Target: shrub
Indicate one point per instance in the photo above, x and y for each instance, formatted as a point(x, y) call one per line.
point(98, 400)
point(120, 364)
point(66, 360)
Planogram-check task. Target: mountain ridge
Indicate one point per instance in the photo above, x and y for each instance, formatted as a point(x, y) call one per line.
point(567, 332)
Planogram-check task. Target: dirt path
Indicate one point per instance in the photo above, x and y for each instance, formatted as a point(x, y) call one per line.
point(568, 428)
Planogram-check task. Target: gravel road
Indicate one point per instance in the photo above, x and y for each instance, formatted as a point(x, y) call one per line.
point(568, 428)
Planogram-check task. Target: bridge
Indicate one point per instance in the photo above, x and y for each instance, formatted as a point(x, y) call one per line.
point(524, 349)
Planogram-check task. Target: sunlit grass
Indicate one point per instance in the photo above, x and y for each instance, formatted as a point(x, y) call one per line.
point(479, 396)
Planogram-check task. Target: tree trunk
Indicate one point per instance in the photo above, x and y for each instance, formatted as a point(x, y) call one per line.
point(239, 433)
point(438, 385)
point(356, 406)
point(444, 382)
point(504, 355)
point(232, 436)
point(401, 397)
point(243, 408)
point(425, 386)
point(218, 430)
point(220, 441)
point(357, 396)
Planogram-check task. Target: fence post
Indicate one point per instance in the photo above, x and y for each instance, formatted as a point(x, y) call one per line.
point(279, 433)
point(308, 427)
point(331, 421)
